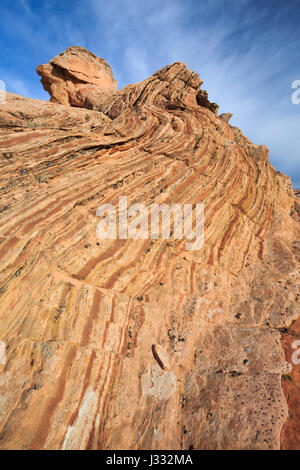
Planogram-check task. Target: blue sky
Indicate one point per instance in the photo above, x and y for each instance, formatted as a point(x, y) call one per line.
point(246, 51)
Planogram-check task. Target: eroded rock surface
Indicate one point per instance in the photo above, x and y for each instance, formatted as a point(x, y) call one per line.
point(141, 344)
point(74, 74)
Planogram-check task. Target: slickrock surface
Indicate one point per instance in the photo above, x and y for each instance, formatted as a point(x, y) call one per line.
point(142, 344)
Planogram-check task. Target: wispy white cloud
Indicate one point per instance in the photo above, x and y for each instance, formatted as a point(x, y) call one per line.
point(15, 85)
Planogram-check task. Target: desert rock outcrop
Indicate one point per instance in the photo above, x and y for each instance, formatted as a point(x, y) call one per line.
point(141, 344)
point(74, 74)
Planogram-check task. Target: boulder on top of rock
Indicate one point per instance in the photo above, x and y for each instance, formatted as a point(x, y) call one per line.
point(72, 75)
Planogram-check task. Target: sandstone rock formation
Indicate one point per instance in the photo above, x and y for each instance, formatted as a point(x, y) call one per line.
point(202, 100)
point(142, 344)
point(75, 73)
point(69, 80)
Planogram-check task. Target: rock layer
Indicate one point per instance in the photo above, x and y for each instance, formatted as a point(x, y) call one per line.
point(142, 344)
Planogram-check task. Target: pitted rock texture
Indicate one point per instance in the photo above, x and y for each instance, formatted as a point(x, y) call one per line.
point(142, 344)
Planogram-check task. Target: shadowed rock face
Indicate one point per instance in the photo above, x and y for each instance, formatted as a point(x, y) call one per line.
point(141, 344)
